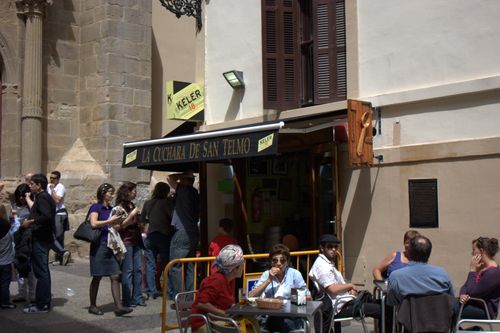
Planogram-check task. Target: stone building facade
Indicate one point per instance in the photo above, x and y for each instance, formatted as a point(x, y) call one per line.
point(76, 84)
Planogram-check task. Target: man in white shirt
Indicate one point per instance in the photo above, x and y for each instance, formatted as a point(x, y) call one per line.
point(324, 272)
point(57, 191)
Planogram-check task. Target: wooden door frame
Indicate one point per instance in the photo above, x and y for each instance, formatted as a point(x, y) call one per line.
point(313, 178)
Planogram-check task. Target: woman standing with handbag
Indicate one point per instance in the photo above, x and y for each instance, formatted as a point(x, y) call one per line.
point(102, 260)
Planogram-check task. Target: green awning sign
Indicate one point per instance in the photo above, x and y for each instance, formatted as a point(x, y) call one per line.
point(185, 101)
point(192, 149)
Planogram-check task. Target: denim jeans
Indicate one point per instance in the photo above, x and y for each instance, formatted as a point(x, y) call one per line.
point(183, 245)
point(156, 244)
point(5, 277)
point(58, 245)
point(40, 261)
point(26, 286)
point(132, 276)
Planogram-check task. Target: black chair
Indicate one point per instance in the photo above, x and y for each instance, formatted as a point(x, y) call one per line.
point(427, 313)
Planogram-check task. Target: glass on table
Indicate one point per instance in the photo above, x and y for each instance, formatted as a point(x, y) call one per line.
point(242, 296)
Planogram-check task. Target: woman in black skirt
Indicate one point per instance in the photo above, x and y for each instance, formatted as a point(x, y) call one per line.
point(102, 260)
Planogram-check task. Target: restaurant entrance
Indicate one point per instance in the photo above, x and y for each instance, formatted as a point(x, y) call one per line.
point(290, 198)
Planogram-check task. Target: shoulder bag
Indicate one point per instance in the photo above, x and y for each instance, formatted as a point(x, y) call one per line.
point(86, 233)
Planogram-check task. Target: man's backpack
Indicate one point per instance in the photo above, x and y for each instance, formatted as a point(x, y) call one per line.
point(364, 296)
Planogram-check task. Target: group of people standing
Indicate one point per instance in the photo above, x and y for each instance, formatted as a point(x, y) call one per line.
point(36, 224)
point(165, 229)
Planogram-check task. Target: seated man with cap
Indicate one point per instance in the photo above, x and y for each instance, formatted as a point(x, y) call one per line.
point(324, 272)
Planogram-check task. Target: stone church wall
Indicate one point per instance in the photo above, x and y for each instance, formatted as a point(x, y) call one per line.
point(96, 95)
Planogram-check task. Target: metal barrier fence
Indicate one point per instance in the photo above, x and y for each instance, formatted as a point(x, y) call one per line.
point(205, 261)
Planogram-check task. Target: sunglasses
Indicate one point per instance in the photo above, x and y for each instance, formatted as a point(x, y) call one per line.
point(279, 260)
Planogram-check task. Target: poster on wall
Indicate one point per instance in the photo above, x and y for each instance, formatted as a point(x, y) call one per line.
point(185, 101)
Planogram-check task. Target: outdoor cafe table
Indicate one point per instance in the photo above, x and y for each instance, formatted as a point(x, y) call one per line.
point(381, 286)
point(288, 309)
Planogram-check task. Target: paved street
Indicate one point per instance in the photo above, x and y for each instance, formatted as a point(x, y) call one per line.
point(69, 313)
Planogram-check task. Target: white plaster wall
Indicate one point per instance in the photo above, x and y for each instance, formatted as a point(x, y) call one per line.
point(233, 41)
point(461, 117)
point(406, 45)
point(376, 212)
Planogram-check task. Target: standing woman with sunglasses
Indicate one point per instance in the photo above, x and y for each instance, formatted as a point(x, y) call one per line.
point(102, 260)
point(277, 282)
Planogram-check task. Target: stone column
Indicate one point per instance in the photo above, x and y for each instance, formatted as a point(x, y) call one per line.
point(31, 117)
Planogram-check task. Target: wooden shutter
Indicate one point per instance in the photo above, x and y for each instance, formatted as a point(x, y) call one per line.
point(329, 51)
point(280, 54)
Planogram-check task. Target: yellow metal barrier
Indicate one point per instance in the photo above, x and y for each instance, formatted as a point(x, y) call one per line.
point(207, 260)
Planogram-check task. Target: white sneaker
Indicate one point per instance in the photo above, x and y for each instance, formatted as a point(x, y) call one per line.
point(65, 258)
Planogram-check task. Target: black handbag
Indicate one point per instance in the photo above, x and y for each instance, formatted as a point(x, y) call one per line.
point(86, 233)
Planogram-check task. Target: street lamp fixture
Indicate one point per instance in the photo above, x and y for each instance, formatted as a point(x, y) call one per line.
point(235, 79)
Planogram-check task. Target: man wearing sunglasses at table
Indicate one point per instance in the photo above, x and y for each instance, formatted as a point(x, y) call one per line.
point(277, 282)
point(324, 272)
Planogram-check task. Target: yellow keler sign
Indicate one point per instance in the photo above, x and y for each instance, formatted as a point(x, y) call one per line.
point(185, 101)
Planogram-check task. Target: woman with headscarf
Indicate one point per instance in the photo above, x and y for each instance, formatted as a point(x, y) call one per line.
point(216, 294)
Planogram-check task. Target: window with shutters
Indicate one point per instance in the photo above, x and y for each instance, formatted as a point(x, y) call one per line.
point(423, 197)
point(304, 52)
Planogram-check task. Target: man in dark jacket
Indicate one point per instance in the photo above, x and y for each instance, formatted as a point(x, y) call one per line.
point(41, 223)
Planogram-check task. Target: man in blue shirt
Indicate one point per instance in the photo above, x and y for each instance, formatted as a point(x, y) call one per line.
point(419, 277)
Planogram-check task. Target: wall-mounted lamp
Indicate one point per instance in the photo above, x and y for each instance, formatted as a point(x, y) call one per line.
point(234, 78)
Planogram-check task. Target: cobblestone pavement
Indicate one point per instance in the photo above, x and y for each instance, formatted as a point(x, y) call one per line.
point(69, 313)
